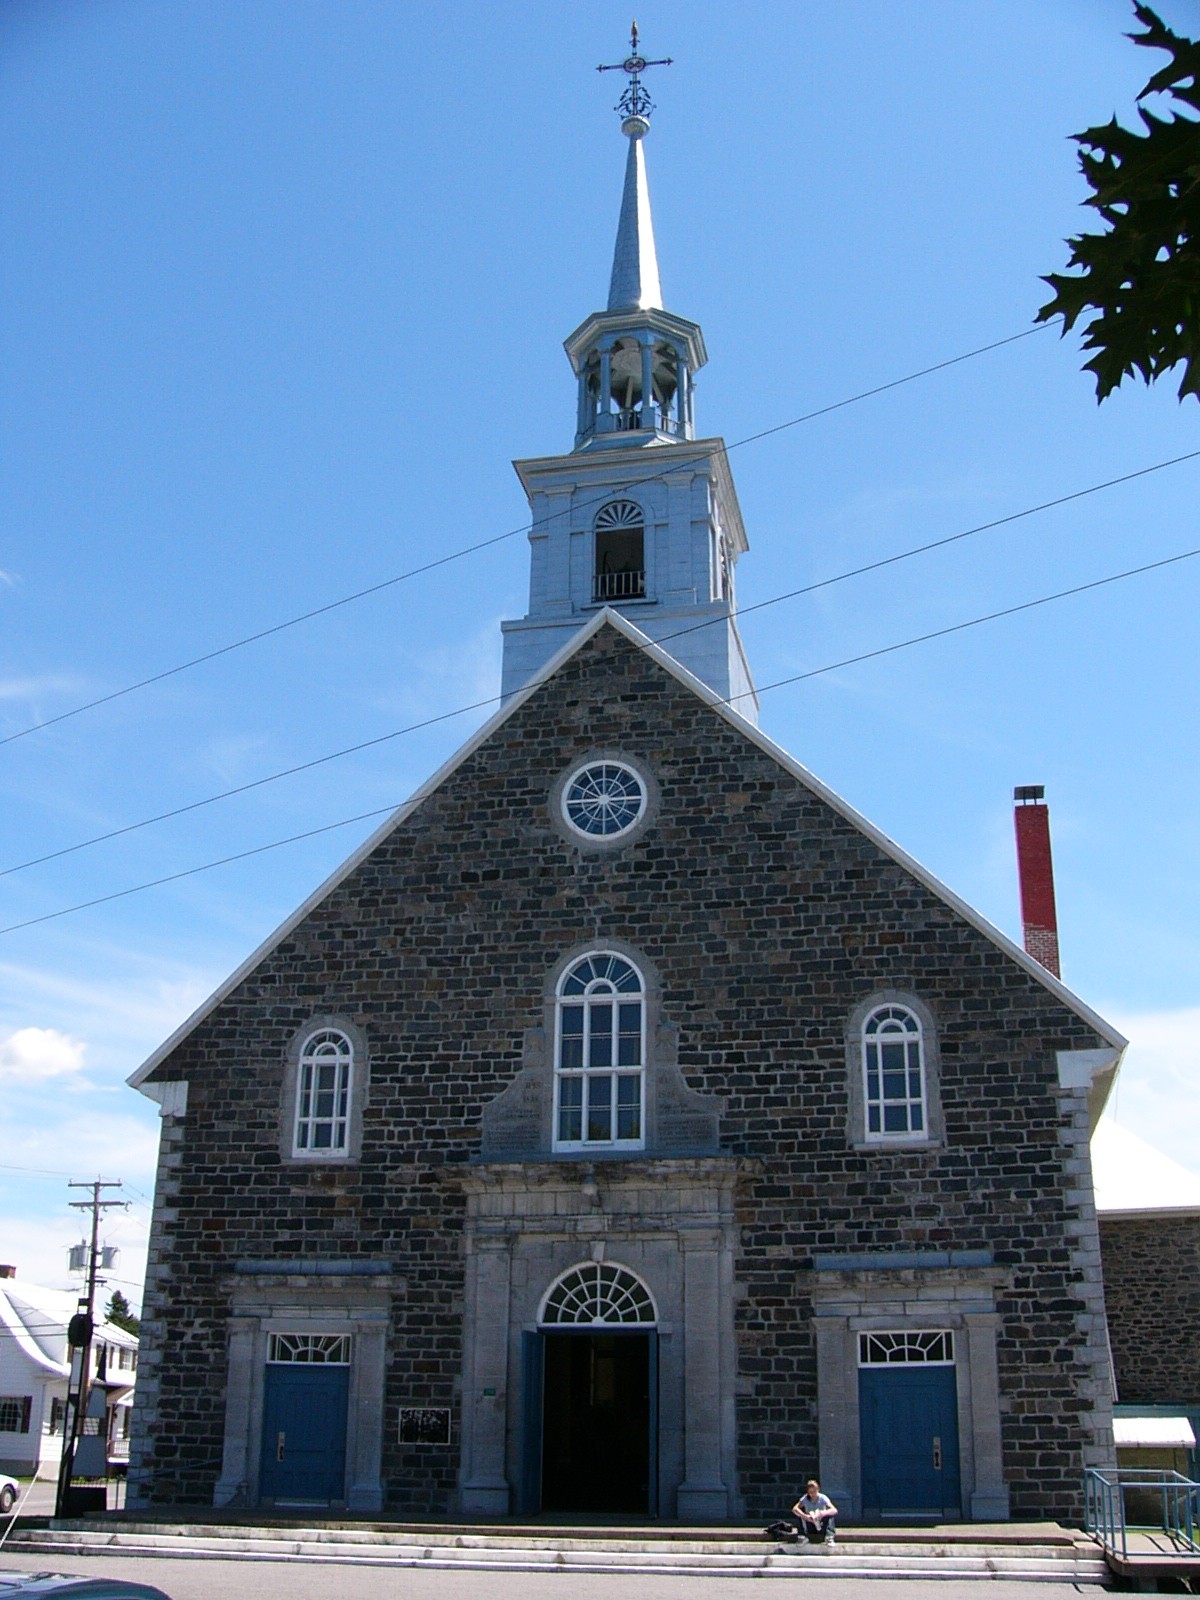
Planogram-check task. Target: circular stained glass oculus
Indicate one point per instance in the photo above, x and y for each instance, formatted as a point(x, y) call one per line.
point(604, 799)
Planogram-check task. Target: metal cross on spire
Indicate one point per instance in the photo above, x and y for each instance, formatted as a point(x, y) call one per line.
point(635, 102)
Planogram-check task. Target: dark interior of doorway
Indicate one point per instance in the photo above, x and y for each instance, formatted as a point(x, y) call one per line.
point(596, 1444)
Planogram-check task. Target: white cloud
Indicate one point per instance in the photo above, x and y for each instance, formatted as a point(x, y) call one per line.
point(237, 758)
point(35, 688)
point(32, 1054)
point(123, 1008)
point(447, 676)
point(54, 1144)
point(37, 1244)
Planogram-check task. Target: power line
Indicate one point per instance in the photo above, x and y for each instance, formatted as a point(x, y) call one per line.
point(815, 672)
point(255, 783)
point(974, 622)
point(476, 705)
point(499, 538)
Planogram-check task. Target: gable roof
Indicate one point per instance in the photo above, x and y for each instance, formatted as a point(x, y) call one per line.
point(613, 619)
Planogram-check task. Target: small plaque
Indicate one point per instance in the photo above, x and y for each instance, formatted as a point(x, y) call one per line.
point(425, 1426)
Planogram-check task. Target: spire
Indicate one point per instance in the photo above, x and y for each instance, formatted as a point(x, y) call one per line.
point(657, 548)
point(634, 361)
point(634, 285)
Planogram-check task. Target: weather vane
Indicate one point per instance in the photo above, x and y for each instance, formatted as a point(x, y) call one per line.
point(635, 102)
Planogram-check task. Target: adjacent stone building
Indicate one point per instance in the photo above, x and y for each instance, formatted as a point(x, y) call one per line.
point(629, 1126)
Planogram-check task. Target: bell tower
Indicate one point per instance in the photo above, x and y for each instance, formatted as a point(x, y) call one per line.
point(641, 515)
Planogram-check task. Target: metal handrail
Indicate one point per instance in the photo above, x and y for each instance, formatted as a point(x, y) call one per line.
point(1105, 1511)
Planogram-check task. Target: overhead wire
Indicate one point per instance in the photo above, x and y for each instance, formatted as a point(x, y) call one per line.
point(833, 666)
point(500, 538)
point(476, 705)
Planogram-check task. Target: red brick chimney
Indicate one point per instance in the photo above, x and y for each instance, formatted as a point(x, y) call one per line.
point(1035, 870)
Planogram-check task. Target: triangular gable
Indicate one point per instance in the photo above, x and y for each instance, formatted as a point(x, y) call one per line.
point(609, 618)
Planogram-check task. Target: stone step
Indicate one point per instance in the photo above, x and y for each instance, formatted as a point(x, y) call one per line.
point(694, 1541)
point(495, 1551)
point(1007, 1536)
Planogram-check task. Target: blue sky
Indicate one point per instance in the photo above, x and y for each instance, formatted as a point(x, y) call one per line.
point(282, 292)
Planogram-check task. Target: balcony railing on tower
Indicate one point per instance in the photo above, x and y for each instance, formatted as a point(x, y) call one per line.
point(619, 586)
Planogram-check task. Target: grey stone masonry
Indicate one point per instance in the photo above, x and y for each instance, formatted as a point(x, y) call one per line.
point(765, 918)
point(1152, 1287)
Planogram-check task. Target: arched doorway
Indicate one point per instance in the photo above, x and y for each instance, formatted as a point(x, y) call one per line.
point(590, 1391)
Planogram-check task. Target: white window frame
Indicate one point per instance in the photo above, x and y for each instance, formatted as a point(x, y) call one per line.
point(338, 1118)
point(911, 1038)
point(308, 1349)
point(595, 1294)
point(598, 990)
point(906, 1347)
point(600, 772)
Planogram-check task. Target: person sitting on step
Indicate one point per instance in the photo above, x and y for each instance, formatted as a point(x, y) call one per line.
point(817, 1515)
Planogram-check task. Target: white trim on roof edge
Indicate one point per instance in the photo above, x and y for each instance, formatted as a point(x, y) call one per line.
point(614, 619)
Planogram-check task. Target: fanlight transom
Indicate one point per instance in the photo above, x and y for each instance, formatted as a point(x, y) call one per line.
point(598, 1295)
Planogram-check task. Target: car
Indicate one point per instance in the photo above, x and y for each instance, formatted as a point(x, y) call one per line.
point(9, 1490)
point(62, 1586)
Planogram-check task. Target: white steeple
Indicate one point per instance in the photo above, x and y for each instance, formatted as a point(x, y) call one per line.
point(640, 515)
point(634, 285)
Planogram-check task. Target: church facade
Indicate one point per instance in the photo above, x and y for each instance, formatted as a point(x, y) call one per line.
point(628, 1127)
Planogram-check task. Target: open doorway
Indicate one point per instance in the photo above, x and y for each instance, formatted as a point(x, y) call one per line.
point(597, 1431)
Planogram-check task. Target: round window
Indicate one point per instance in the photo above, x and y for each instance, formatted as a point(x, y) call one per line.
point(603, 799)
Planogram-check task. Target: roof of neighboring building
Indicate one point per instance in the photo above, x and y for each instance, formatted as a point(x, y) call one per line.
point(37, 1318)
point(1133, 1179)
point(1160, 1433)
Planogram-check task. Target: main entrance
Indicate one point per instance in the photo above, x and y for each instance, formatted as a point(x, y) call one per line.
point(596, 1422)
point(590, 1419)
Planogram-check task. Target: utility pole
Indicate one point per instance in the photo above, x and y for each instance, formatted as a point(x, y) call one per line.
point(79, 1339)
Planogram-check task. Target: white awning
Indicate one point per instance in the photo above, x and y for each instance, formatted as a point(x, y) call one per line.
point(1162, 1433)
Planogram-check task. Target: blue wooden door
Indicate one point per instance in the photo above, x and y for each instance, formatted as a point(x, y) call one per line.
point(529, 1496)
point(909, 1421)
point(304, 1433)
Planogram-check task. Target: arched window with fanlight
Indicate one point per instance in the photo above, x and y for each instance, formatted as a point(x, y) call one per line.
point(324, 1085)
point(619, 571)
point(599, 1057)
point(893, 1064)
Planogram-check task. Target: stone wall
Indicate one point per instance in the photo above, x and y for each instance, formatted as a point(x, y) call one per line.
point(768, 918)
point(1152, 1288)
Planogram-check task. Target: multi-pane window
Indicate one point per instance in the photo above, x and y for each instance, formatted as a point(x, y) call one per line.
point(598, 1293)
point(894, 1074)
point(323, 1093)
point(599, 1088)
point(906, 1348)
point(15, 1411)
point(603, 799)
point(309, 1349)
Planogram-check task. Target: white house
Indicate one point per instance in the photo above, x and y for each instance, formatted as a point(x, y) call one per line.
point(33, 1379)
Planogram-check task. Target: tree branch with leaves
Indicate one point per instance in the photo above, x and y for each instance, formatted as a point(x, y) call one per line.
point(1141, 277)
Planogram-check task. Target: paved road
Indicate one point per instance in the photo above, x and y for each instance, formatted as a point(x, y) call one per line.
point(306, 1580)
